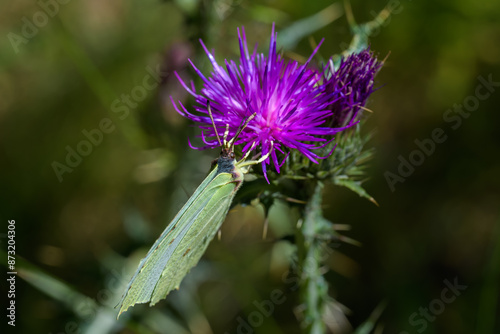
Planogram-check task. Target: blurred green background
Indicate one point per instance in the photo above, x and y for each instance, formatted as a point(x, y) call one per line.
point(64, 74)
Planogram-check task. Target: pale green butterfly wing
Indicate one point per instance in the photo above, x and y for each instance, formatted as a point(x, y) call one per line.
point(184, 241)
point(140, 287)
point(195, 242)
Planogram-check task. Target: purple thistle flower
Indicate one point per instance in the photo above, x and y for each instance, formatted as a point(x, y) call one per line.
point(292, 103)
point(354, 80)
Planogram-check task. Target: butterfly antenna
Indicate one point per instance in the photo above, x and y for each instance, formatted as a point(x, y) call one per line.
point(213, 122)
point(240, 129)
point(226, 134)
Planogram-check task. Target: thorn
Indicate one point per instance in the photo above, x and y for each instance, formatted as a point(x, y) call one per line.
point(350, 241)
point(385, 59)
point(264, 230)
point(341, 227)
point(348, 13)
point(219, 234)
point(323, 270)
point(299, 311)
point(371, 199)
point(364, 108)
point(293, 200)
point(299, 223)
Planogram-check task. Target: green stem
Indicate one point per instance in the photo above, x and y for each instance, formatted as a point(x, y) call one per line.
point(310, 237)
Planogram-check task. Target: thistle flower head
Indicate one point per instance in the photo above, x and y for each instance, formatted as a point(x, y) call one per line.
point(354, 81)
point(291, 102)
